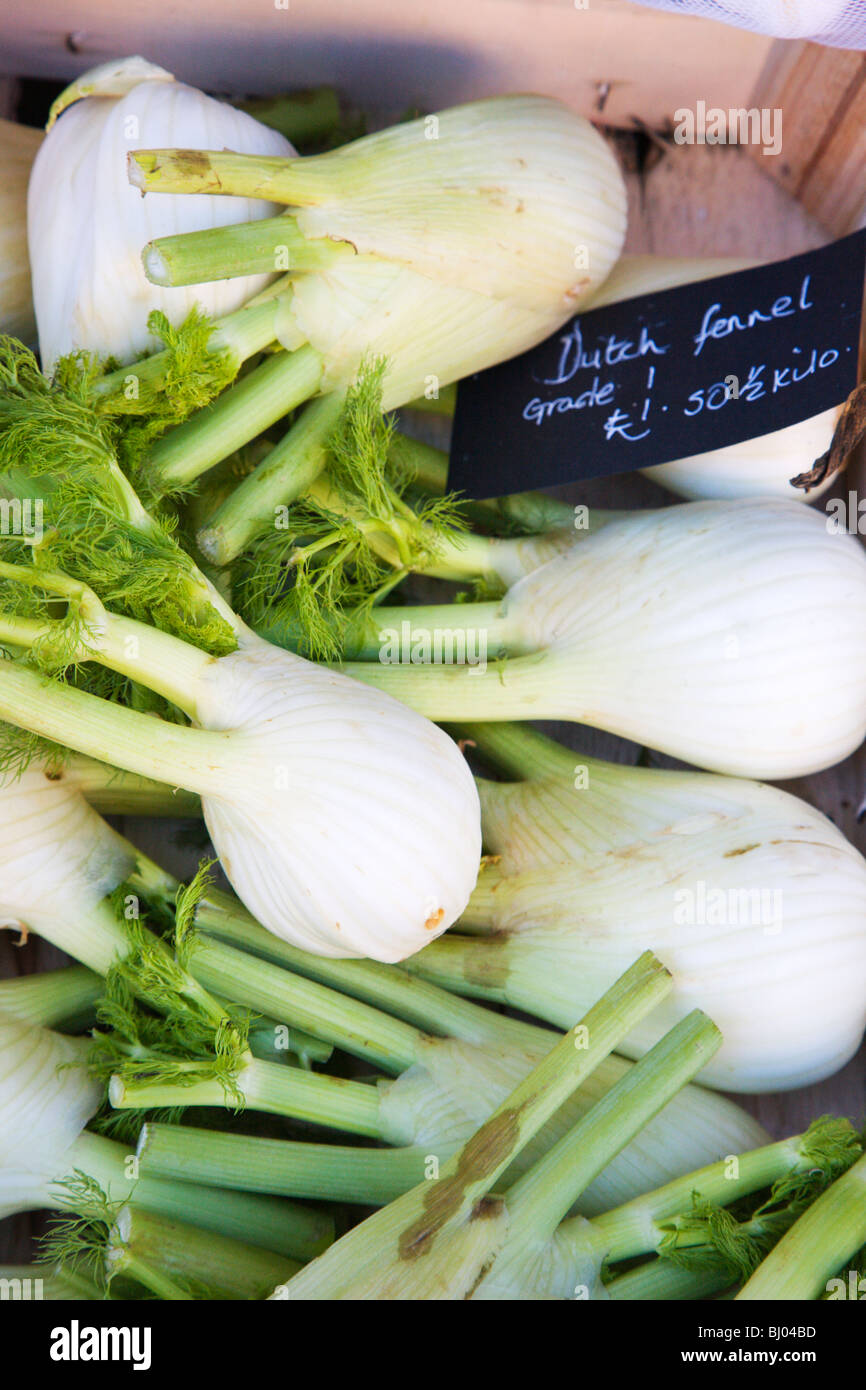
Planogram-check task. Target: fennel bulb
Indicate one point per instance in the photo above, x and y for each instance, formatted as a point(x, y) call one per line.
point(18, 147)
point(751, 897)
point(446, 244)
point(759, 467)
point(47, 1097)
point(513, 202)
point(80, 197)
point(728, 634)
point(309, 782)
point(59, 864)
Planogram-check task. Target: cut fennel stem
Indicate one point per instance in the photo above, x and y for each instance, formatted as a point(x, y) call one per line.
point(708, 641)
point(377, 1177)
point(753, 899)
point(284, 760)
point(47, 1098)
point(438, 248)
point(447, 1087)
point(429, 1244)
point(536, 1206)
point(437, 1238)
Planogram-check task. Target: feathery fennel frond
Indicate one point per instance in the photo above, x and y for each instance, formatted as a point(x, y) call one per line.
point(179, 1048)
point(191, 374)
point(78, 1241)
point(57, 645)
point(189, 895)
point(345, 545)
point(69, 501)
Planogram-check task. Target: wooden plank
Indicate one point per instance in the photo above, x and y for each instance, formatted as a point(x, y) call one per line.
point(626, 58)
point(822, 95)
point(704, 200)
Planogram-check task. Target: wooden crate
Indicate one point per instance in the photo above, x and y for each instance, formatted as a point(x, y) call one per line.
point(625, 67)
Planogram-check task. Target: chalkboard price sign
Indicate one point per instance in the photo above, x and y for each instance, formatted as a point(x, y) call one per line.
point(665, 376)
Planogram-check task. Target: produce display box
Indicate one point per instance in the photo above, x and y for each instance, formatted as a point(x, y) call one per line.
point(627, 68)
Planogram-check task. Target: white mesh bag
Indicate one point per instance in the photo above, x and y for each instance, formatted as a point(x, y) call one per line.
point(841, 23)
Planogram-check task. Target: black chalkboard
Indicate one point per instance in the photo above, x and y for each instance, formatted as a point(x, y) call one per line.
point(664, 376)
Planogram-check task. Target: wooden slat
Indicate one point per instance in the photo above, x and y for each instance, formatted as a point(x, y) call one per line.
point(822, 95)
point(433, 55)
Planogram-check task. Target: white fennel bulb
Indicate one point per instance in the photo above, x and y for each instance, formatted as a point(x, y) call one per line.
point(474, 238)
point(345, 821)
point(447, 243)
point(728, 634)
point(18, 146)
point(759, 467)
point(59, 862)
point(753, 900)
point(87, 226)
point(442, 245)
point(46, 1099)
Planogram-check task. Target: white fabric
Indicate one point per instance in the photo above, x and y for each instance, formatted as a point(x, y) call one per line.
point(840, 23)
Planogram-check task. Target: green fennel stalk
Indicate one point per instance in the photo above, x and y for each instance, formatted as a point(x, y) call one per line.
point(65, 998)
